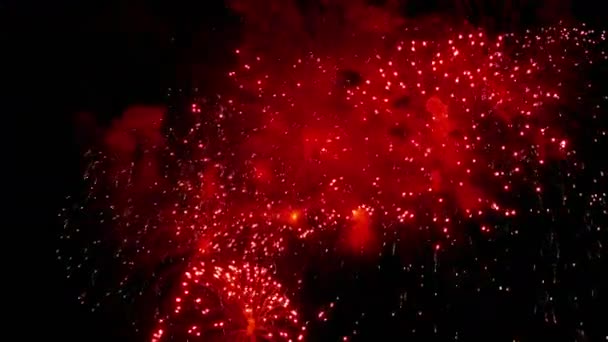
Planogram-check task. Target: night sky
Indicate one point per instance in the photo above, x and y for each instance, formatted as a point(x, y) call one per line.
point(107, 89)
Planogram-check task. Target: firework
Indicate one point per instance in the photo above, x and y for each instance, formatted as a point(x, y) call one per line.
point(424, 129)
point(238, 302)
point(350, 147)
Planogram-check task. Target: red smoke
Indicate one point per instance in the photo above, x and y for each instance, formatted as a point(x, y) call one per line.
point(133, 139)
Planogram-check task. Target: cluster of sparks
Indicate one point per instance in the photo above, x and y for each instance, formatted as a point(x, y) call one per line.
point(233, 303)
point(352, 149)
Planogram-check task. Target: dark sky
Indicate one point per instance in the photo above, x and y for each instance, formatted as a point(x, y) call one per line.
point(70, 57)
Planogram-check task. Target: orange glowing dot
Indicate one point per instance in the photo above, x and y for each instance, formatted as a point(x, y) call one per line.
point(294, 216)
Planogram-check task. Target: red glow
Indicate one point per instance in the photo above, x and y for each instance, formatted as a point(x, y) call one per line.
point(359, 235)
point(368, 137)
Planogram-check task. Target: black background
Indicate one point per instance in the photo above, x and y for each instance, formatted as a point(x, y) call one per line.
point(62, 58)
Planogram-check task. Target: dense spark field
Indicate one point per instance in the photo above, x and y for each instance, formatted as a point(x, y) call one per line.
point(354, 148)
point(233, 303)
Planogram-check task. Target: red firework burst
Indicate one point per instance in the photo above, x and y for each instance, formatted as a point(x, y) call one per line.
point(238, 302)
point(420, 128)
point(412, 130)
